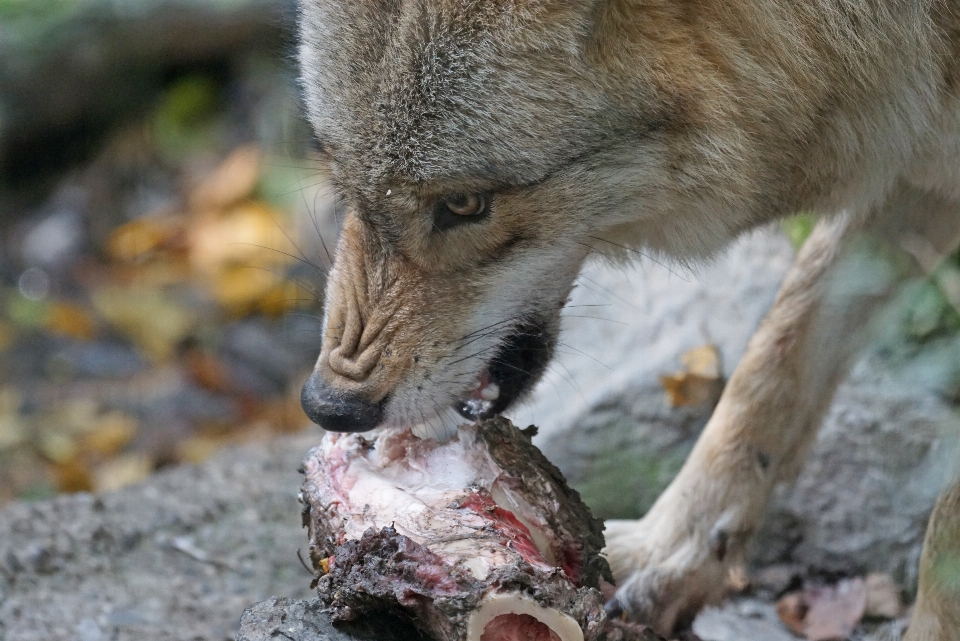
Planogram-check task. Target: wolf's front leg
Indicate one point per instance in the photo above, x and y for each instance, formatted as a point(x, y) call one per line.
point(676, 559)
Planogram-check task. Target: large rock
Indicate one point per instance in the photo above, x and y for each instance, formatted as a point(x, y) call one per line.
point(862, 501)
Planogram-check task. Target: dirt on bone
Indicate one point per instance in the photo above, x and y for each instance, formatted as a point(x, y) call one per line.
point(473, 537)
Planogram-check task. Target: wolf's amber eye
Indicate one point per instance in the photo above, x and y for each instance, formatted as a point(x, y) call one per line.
point(466, 204)
point(460, 209)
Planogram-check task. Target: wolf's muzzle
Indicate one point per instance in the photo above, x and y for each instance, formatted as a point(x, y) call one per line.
point(339, 411)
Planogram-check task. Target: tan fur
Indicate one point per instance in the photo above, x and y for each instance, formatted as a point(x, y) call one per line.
point(665, 126)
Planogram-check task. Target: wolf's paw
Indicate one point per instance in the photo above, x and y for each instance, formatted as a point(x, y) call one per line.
point(665, 572)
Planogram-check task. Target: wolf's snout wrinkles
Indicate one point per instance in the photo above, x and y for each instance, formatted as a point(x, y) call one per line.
point(336, 410)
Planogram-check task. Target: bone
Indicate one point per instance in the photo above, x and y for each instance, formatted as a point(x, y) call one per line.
point(477, 538)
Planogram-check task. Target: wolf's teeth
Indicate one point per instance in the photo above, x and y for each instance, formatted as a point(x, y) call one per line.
point(491, 392)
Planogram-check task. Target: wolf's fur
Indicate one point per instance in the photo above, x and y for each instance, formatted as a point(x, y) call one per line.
point(665, 126)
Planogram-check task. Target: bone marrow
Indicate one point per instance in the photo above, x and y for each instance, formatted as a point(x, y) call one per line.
point(476, 539)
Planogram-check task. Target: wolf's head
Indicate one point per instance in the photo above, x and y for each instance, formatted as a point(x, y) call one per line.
point(483, 148)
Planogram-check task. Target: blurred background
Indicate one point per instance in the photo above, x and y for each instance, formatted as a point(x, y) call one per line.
point(158, 292)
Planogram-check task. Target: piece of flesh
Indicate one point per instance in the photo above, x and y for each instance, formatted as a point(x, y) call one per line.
point(477, 539)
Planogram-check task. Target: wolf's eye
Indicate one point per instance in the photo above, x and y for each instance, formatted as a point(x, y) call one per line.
point(466, 204)
point(460, 209)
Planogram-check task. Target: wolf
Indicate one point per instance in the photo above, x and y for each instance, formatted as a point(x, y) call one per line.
point(484, 149)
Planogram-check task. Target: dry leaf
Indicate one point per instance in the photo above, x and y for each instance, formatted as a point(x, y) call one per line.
point(138, 238)
point(12, 432)
point(155, 323)
point(825, 613)
point(241, 289)
point(71, 416)
point(57, 447)
point(68, 319)
point(232, 181)
point(112, 434)
point(792, 610)
point(198, 449)
point(207, 371)
point(248, 234)
point(285, 415)
point(699, 382)
point(122, 471)
point(883, 597)
point(74, 476)
point(284, 297)
point(702, 361)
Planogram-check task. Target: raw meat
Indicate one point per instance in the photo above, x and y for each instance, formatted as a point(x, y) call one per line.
point(476, 539)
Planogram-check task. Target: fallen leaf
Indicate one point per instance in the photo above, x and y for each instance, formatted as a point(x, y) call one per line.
point(247, 235)
point(284, 297)
point(74, 476)
point(883, 597)
point(825, 613)
point(241, 289)
point(13, 433)
point(112, 433)
point(57, 447)
point(233, 180)
point(702, 361)
point(70, 416)
point(198, 449)
point(792, 609)
point(139, 238)
point(207, 371)
point(122, 471)
point(700, 380)
point(71, 320)
point(154, 322)
point(285, 415)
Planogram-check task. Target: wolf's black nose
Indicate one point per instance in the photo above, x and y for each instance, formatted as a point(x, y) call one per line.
point(338, 411)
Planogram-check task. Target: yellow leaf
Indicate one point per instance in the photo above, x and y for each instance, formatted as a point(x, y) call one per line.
point(232, 181)
point(73, 476)
point(155, 323)
point(702, 361)
point(138, 238)
point(240, 289)
point(198, 449)
point(246, 235)
point(113, 432)
point(12, 431)
point(122, 471)
point(284, 297)
point(700, 381)
point(68, 319)
point(58, 447)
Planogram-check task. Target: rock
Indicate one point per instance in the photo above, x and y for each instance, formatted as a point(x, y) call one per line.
point(177, 557)
point(861, 502)
point(740, 620)
point(305, 621)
